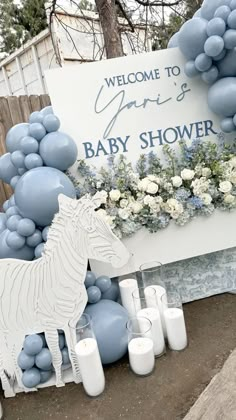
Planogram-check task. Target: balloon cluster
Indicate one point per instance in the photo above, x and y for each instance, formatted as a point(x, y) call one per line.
point(100, 288)
point(35, 359)
point(37, 156)
point(208, 42)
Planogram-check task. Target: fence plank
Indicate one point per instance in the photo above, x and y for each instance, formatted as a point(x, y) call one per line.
point(25, 107)
point(5, 117)
point(45, 100)
point(35, 103)
point(15, 109)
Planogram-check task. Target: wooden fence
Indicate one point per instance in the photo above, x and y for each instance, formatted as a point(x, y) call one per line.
point(14, 110)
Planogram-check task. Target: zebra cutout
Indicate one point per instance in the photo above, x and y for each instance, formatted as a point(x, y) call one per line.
point(48, 294)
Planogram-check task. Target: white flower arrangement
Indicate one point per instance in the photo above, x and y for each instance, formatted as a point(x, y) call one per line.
point(195, 182)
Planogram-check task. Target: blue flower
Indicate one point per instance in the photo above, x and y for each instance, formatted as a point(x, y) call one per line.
point(182, 194)
point(196, 202)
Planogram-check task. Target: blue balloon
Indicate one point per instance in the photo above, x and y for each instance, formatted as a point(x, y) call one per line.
point(190, 69)
point(36, 194)
point(94, 294)
point(197, 13)
point(222, 97)
point(22, 171)
point(43, 360)
point(31, 377)
point(211, 75)
point(61, 339)
point(230, 39)
point(25, 227)
point(15, 241)
point(3, 221)
point(36, 117)
point(37, 131)
point(13, 222)
point(33, 344)
point(65, 356)
point(51, 123)
point(214, 46)
point(45, 233)
point(7, 169)
point(232, 20)
point(33, 160)
point(11, 211)
point(89, 279)
point(103, 283)
point(174, 41)
point(35, 239)
point(45, 375)
point(18, 159)
point(5, 205)
point(39, 250)
point(209, 7)
point(223, 12)
point(58, 150)
point(113, 292)
point(42, 335)
point(12, 201)
point(216, 26)
point(25, 361)
point(190, 44)
point(227, 66)
point(46, 111)
point(233, 5)
point(15, 135)
point(220, 56)
point(234, 120)
point(109, 325)
point(14, 181)
point(24, 253)
point(29, 145)
point(203, 62)
point(227, 125)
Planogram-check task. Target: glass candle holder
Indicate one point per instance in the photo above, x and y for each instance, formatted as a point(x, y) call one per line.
point(86, 350)
point(140, 347)
point(174, 321)
point(127, 287)
point(145, 304)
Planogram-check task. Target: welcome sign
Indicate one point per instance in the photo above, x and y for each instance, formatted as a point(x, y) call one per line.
point(130, 105)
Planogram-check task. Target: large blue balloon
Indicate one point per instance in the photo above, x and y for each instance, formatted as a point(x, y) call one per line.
point(58, 150)
point(192, 37)
point(7, 169)
point(3, 221)
point(15, 135)
point(109, 324)
point(36, 194)
point(209, 7)
point(25, 253)
point(227, 66)
point(222, 97)
point(174, 41)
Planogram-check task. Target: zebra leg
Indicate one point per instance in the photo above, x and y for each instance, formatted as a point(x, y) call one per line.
point(7, 374)
point(71, 342)
point(6, 386)
point(16, 345)
point(51, 336)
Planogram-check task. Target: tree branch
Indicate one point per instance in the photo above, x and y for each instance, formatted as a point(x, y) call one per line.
point(118, 3)
point(158, 3)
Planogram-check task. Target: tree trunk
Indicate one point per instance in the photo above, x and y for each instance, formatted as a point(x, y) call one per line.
point(110, 27)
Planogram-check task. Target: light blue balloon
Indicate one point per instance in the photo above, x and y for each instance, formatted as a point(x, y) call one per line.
point(13, 222)
point(15, 241)
point(51, 123)
point(37, 131)
point(42, 335)
point(35, 239)
point(25, 361)
point(227, 66)
point(65, 356)
point(43, 360)
point(14, 181)
point(103, 283)
point(29, 145)
point(45, 375)
point(232, 20)
point(24, 253)
point(36, 194)
point(222, 97)
point(203, 62)
point(210, 6)
point(174, 41)
point(197, 13)
point(45, 233)
point(26, 227)
point(211, 75)
point(31, 377)
point(227, 125)
point(230, 39)
point(214, 45)
point(113, 292)
point(216, 26)
point(3, 221)
point(89, 279)
point(190, 44)
point(15, 135)
point(58, 150)
point(39, 250)
point(33, 344)
point(234, 120)
point(61, 339)
point(220, 56)
point(223, 12)
point(11, 211)
point(94, 294)
point(7, 169)
point(5, 205)
point(12, 201)
point(22, 171)
point(36, 117)
point(33, 160)
point(233, 5)
point(18, 159)
point(46, 111)
point(109, 325)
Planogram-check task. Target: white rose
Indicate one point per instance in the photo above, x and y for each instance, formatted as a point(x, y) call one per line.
point(102, 213)
point(136, 207)
point(187, 174)
point(142, 185)
point(233, 162)
point(123, 203)
point(124, 213)
point(151, 177)
point(206, 172)
point(229, 199)
point(177, 181)
point(152, 188)
point(149, 200)
point(114, 195)
point(206, 199)
point(233, 177)
point(101, 196)
point(106, 217)
point(225, 187)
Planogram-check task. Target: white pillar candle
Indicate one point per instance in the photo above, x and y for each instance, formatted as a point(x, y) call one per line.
point(141, 355)
point(127, 288)
point(90, 366)
point(156, 332)
point(175, 327)
point(160, 291)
